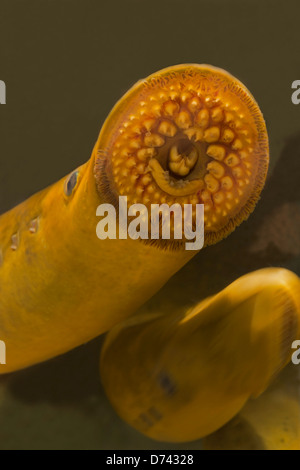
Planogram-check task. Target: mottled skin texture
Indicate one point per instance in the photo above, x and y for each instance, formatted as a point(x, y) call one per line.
point(183, 375)
point(60, 285)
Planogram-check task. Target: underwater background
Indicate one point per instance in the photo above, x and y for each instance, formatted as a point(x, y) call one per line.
point(65, 64)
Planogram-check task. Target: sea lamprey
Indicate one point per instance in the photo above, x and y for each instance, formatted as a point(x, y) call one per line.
point(183, 375)
point(189, 134)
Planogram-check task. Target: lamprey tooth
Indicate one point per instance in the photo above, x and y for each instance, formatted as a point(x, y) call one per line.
point(227, 135)
point(183, 120)
point(149, 124)
point(194, 133)
point(237, 144)
point(135, 143)
point(216, 168)
point(174, 154)
point(182, 164)
point(169, 186)
point(243, 155)
point(202, 118)
point(170, 108)
point(212, 134)
point(237, 172)
point(226, 182)
point(206, 196)
point(192, 158)
point(141, 168)
point(229, 117)
point(217, 114)
point(151, 188)
point(194, 104)
point(217, 152)
point(218, 197)
point(232, 159)
point(146, 179)
point(154, 140)
point(179, 168)
point(130, 163)
point(134, 177)
point(186, 95)
point(146, 153)
point(124, 152)
point(211, 183)
point(167, 128)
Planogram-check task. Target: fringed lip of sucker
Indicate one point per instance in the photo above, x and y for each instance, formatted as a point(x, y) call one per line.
point(188, 134)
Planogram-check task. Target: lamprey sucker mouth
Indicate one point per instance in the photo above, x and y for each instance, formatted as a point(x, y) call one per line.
point(189, 134)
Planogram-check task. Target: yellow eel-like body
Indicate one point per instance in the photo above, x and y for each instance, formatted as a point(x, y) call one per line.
point(179, 375)
point(190, 134)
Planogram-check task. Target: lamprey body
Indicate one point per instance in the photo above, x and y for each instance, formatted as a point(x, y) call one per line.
point(181, 376)
point(188, 134)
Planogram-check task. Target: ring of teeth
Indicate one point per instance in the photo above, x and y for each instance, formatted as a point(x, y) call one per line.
point(190, 142)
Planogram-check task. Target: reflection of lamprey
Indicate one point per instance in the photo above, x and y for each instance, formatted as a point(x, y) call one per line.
point(181, 377)
point(187, 134)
